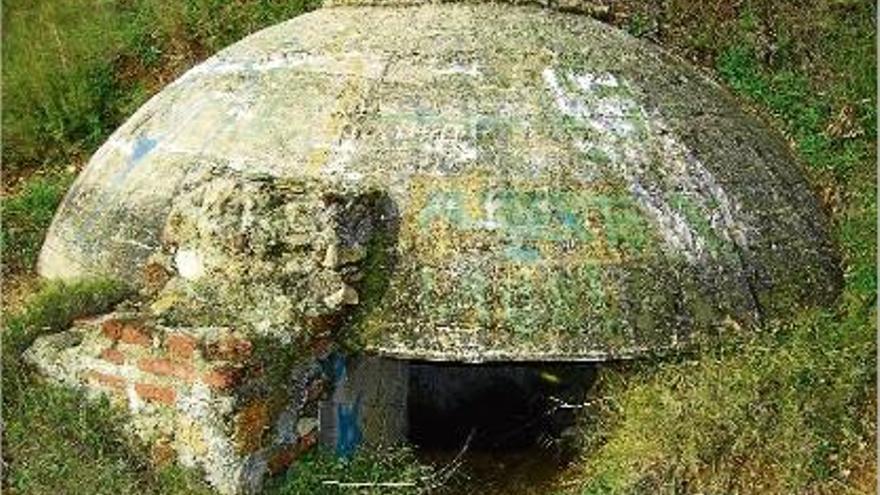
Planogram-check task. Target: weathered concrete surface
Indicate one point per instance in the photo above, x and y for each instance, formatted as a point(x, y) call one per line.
point(555, 188)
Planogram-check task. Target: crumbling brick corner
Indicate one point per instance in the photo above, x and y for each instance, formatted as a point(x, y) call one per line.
point(211, 397)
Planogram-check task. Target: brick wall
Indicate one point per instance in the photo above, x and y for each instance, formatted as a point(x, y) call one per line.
point(209, 396)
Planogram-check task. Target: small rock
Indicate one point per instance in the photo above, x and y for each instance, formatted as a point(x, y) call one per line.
point(336, 256)
point(351, 255)
point(189, 264)
point(306, 425)
point(346, 295)
point(331, 258)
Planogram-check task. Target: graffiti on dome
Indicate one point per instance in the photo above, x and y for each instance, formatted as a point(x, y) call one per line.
point(532, 224)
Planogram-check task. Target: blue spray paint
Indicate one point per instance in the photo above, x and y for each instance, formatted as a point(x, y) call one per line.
point(337, 361)
point(348, 430)
point(142, 147)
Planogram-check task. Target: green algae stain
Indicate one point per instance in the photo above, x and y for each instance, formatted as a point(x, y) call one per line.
point(698, 219)
point(625, 228)
point(445, 205)
point(530, 224)
point(538, 303)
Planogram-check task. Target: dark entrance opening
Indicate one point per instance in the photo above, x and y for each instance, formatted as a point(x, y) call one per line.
point(500, 406)
point(494, 429)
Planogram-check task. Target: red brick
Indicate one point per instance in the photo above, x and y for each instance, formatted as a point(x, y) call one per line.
point(223, 377)
point(110, 381)
point(284, 457)
point(135, 332)
point(228, 349)
point(166, 367)
point(112, 328)
point(155, 393)
point(128, 331)
point(113, 355)
point(181, 346)
point(308, 440)
point(250, 425)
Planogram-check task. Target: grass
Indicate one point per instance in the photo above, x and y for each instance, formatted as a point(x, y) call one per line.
point(26, 216)
point(377, 467)
point(791, 409)
point(788, 410)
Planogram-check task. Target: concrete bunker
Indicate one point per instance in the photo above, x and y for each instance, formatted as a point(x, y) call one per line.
point(432, 185)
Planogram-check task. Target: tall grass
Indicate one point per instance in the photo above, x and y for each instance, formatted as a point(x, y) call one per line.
point(26, 216)
point(60, 91)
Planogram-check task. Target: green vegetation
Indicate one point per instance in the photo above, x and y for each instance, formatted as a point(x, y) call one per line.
point(790, 410)
point(26, 216)
point(320, 472)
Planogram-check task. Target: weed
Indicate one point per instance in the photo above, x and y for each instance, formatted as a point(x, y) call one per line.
point(319, 470)
point(26, 216)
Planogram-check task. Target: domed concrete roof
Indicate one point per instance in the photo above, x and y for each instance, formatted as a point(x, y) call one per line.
point(556, 188)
